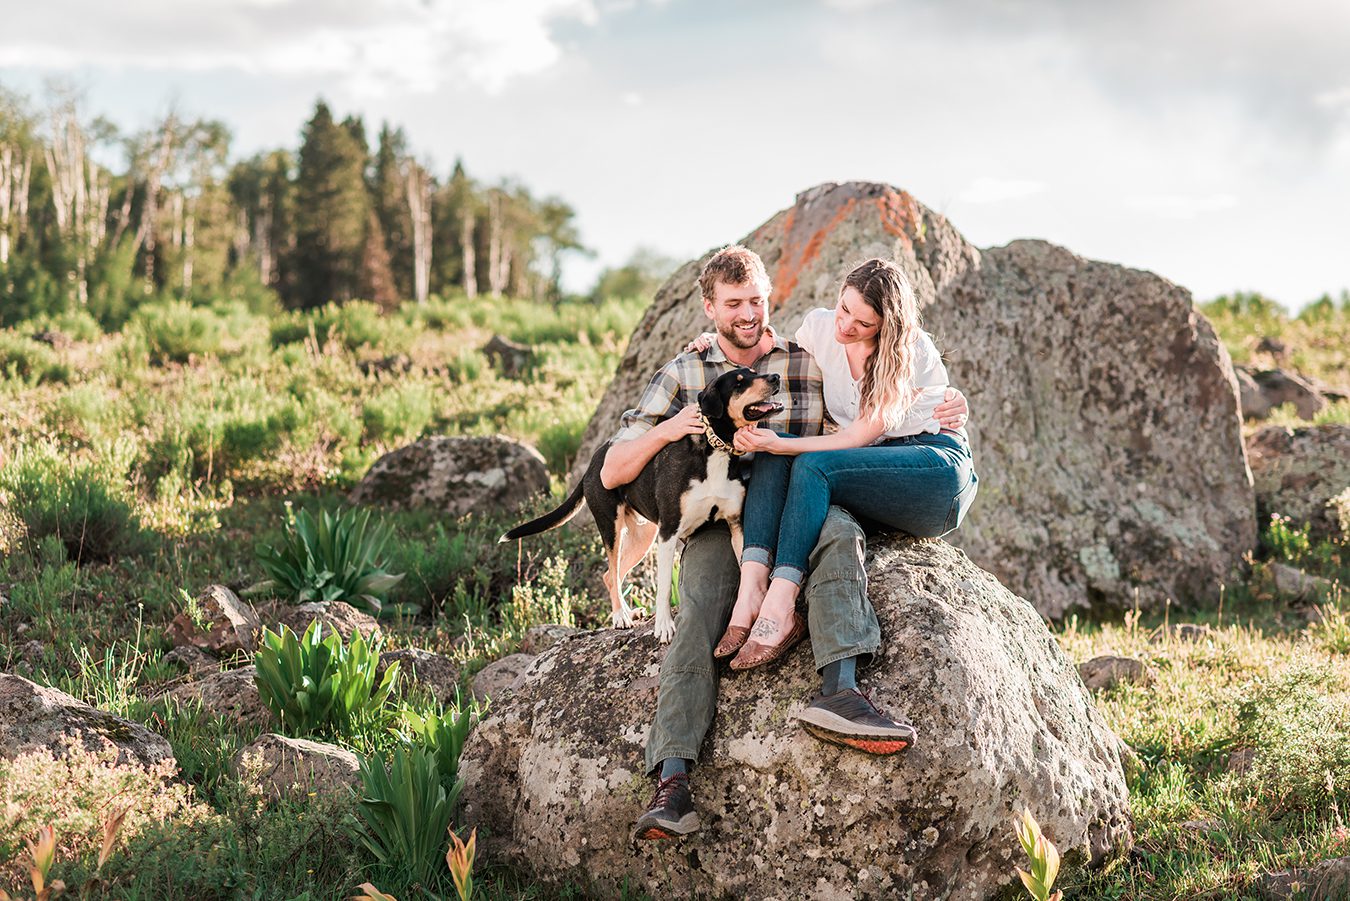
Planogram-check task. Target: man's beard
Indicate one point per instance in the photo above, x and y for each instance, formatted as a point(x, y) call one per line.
point(738, 340)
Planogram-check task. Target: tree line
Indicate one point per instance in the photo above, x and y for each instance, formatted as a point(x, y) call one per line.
point(93, 217)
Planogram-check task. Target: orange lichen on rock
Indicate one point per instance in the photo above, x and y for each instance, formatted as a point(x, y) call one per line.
point(899, 211)
point(785, 279)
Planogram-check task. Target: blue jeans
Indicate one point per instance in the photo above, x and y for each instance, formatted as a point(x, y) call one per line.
point(920, 484)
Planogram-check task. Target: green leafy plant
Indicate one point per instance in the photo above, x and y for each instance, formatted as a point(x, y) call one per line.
point(404, 812)
point(335, 557)
point(316, 684)
point(1044, 859)
point(443, 734)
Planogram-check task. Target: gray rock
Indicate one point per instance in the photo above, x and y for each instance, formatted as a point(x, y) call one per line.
point(1296, 585)
point(1106, 672)
point(34, 716)
point(1325, 881)
point(231, 694)
point(457, 476)
point(288, 766)
point(1241, 760)
point(1265, 389)
point(1100, 398)
point(499, 678)
point(231, 625)
point(437, 674)
point(197, 662)
point(336, 616)
point(511, 358)
point(539, 639)
point(555, 773)
point(1303, 474)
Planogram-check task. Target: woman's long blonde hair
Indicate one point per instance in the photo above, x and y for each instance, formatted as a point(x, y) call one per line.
point(888, 376)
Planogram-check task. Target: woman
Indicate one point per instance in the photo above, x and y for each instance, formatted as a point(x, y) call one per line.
point(889, 463)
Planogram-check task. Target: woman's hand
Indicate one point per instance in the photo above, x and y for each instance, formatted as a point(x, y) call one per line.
point(953, 412)
point(701, 343)
point(750, 439)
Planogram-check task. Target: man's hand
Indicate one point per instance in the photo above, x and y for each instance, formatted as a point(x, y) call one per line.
point(953, 412)
point(750, 439)
point(686, 422)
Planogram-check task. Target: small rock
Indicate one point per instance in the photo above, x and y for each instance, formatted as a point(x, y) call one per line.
point(1296, 585)
point(197, 662)
point(1279, 387)
point(53, 339)
point(436, 673)
point(497, 678)
point(1325, 881)
point(1181, 632)
point(297, 766)
point(336, 616)
point(20, 629)
point(510, 357)
point(1210, 825)
point(34, 716)
point(396, 363)
point(230, 625)
point(232, 694)
point(539, 639)
point(1106, 672)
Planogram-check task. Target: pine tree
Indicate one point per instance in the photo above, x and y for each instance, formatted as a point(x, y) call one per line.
point(389, 194)
point(332, 207)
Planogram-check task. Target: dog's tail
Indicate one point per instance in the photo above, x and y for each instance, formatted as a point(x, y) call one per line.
point(552, 519)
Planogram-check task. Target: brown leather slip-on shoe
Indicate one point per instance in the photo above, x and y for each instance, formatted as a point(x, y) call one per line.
point(732, 641)
point(755, 654)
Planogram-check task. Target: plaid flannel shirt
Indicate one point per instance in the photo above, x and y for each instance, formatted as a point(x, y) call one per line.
point(678, 383)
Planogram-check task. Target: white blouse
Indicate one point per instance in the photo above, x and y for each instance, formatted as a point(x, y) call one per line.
point(842, 391)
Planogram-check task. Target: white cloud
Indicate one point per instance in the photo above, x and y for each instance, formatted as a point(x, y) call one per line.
point(374, 47)
point(997, 190)
point(1181, 206)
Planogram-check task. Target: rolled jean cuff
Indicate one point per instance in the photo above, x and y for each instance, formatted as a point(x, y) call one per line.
point(753, 553)
point(653, 759)
point(793, 574)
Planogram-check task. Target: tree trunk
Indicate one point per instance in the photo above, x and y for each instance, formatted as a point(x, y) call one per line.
point(418, 184)
point(470, 256)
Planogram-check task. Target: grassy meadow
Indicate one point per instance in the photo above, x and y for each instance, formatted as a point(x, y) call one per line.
point(137, 467)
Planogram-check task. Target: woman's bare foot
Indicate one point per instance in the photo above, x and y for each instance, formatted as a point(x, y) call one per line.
point(775, 613)
point(754, 584)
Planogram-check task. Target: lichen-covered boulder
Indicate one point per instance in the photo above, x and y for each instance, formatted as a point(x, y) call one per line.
point(457, 476)
point(496, 680)
point(334, 616)
point(437, 674)
point(1105, 420)
point(554, 775)
point(1263, 390)
point(1303, 474)
point(35, 716)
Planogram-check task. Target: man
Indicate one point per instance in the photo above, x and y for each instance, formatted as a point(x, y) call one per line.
point(843, 626)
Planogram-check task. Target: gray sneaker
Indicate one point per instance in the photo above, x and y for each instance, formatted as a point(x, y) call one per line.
point(671, 813)
point(850, 718)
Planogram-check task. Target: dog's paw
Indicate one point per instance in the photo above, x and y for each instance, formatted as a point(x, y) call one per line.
point(664, 629)
point(623, 618)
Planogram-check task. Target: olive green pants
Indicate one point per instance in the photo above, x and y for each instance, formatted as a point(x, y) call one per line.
point(840, 617)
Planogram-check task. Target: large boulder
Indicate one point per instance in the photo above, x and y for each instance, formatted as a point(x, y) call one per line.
point(34, 717)
point(461, 475)
point(554, 775)
point(1261, 391)
point(1303, 474)
point(285, 766)
point(232, 694)
point(1105, 419)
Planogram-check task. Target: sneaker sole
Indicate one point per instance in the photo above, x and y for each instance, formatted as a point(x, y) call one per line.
point(652, 829)
point(834, 723)
point(878, 746)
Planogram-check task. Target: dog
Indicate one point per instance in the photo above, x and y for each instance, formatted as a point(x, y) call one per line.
point(690, 482)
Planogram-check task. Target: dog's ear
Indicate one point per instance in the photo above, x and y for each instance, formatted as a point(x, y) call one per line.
point(711, 403)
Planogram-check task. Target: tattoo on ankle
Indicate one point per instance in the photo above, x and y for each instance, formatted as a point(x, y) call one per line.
point(764, 627)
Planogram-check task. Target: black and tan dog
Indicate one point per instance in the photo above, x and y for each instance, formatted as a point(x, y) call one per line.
point(690, 482)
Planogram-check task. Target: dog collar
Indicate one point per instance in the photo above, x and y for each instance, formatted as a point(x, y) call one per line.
point(715, 440)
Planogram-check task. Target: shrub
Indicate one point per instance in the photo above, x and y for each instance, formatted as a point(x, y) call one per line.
point(443, 734)
point(31, 361)
point(317, 684)
point(404, 813)
point(176, 330)
point(333, 558)
point(86, 504)
point(400, 413)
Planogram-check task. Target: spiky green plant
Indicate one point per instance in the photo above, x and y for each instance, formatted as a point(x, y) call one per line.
point(336, 557)
point(1044, 859)
point(316, 684)
point(404, 812)
point(443, 735)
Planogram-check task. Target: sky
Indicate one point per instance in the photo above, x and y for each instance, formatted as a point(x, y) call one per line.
point(1205, 140)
